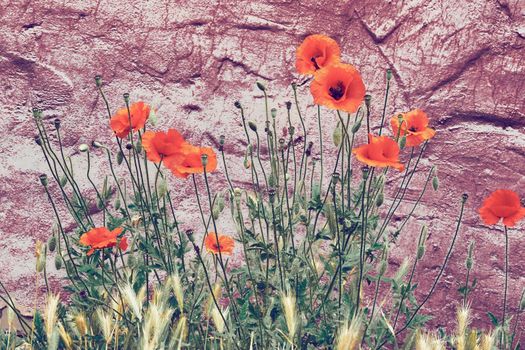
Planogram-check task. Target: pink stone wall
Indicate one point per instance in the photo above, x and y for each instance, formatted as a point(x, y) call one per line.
point(461, 61)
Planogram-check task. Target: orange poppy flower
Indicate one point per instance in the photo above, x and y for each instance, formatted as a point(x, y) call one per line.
point(161, 144)
point(381, 151)
point(101, 237)
point(225, 243)
point(316, 51)
point(415, 125)
point(338, 86)
point(189, 161)
point(502, 205)
point(138, 114)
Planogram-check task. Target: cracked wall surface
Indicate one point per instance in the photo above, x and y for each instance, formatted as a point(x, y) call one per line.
point(462, 62)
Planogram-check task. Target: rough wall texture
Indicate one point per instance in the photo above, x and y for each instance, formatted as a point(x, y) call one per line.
point(462, 62)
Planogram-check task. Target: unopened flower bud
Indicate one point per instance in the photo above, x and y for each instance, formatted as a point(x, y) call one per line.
point(308, 151)
point(252, 126)
point(57, 123)
point(260, 86)
point(63, 181)
point(138, 146)
point(435, 183)
point(52, 243)
point(120, 157)
point(98, 80)
point(288, 105)
point(43, 180)
point(129, 146)
point(58, 261)
point(83, 148)
point(379, 200)
point(38, 140)
point(117, 204)
point(357, 125)
point(96, 144)
point(402, 141)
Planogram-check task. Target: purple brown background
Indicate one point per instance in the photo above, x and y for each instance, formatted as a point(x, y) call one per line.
point(463, 62)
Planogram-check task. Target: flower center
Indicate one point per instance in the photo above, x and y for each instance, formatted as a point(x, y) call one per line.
point(338, 91)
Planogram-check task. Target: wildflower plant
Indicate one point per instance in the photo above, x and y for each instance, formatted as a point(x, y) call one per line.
point(312, 239)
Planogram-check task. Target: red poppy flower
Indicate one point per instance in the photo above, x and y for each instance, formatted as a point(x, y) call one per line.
point(101, 237)
point(161, 144)
point(502, 205)
point(226, 244)
point(381, 151)
point(189, 161)
point(414, 125)
point(138, 114)
point(316, 51)
point(338, 86)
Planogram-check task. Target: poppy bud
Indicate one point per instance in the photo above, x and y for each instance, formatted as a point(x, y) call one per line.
point(96, 144)
point(388, 74)
point(98, 80)
point(237, 104)
point(120, 157)
point(357, 125)
point(402, 141)
point(38, 140)
point(126, 97)
point(83, 148)
point(63, 181)
point(138, 146)
point(252, 126)
point(218, 206)
point(129, 146)
point(368, 98)
point(435, 183)
point(58, 262)
point(337, 134)
point(117, 204)
point(379, 200)
point(57, 123)
point(273, 112)
point(260, 86)
point(464, 197)
point(288, 105)
point(204, 159)
point(52, 243)
point(43, 180)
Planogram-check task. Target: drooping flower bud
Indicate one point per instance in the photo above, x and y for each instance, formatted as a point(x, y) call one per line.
point(357, 126)
point(52, 243)
point(38, 140)
point(252, 126)
point(402, 141)
point(83, 148)
point(435, 183)
point(58, 261)
point(260, 86)
point(120, 157)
